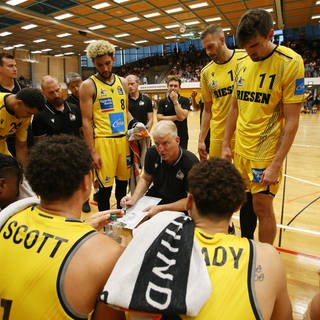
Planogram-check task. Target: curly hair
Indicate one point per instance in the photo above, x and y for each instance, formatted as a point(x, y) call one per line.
point(100, 48)
point(57, 165)
point(10, 167)
point(217, 187)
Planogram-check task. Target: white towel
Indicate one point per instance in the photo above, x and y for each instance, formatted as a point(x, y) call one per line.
point(16, 207)
point(161, 270)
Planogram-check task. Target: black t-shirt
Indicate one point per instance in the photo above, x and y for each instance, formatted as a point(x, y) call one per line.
point(50, 121)
point(140, 108)
point(169, 181)
point(166, 108)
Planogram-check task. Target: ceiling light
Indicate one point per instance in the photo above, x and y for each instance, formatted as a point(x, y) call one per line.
point(190, 34)
point(45, 50)
point(64, 16)
point(198, 5)
point(67, 46)
point(19, 45)
point(171, 26)
point(226, 29)
point(15, 2)
point(36, 51)
point(269, 9)
point(98, 26)
point(120, 1)
point(68, 53)
point(318, 3)
point(59, 55)
point(101, 5)
point(190, 23)
point(39, 40)
point(152, 14)
point(131, 19)
point(315, 17)
point(121, 35)
point(170, 37)
point(213, 19)
point(89, 41)
point(8, 48)
point(29, 26)
point(154, 29)
point(173, 10)
point(5, 33)
point(141, 41)
point(62, 35)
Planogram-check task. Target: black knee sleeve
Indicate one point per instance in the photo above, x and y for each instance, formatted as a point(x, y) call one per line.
point(248, 219)
point(103, 198)
point(121, 190)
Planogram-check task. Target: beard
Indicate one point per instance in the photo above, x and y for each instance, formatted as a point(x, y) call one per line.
point(56, 102)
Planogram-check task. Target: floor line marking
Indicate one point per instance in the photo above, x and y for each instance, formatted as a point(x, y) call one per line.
point(303, 196)
point(303, 180)
point(296, 253)
point(281, 226)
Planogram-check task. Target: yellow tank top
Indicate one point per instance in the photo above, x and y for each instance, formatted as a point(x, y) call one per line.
point(217, 86)
point(35, 249)
point(9, 124)
point(262, 88)
point(230, 263)
point(109, 108)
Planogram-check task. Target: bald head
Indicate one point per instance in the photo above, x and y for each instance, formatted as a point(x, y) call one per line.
point(52, 90)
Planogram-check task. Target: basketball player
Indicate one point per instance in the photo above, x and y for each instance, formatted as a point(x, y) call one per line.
point(248, 278)
point(217, 79)
point(15, 115)
point(269, 91)
point(105, 116)
point(53, 266)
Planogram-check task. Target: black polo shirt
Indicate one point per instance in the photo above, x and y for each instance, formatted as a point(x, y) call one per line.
point(17, 87)
point(140, 108)
point(169, 181)
point(166, 108)
point(73, 100)
point(50, 121)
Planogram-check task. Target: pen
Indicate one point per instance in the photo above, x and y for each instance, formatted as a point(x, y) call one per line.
point(125, 207)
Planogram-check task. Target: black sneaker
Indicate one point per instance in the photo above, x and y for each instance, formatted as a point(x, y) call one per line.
point(86, 207)
point(231, 228)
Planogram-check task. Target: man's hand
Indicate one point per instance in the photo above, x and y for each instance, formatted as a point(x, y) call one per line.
point(153, 210)
point(96, 160)
point(173, 96)
point(100, 219)
point(270, 176)
point(226, 153)
point(202, 151)
point(127, 202)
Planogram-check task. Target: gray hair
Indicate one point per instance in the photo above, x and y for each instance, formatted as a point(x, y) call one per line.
point(163, 128)
point(72, 76)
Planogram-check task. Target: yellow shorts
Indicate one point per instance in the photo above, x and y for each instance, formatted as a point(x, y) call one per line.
point(115, 158)
point(251, 172)
point(215, 148)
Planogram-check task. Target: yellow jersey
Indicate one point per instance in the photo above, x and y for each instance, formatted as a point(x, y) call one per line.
point(35, 250)
point(231, 266)
point(262, 88)
point(9, 124)
point(109, 108)
point(217, 86)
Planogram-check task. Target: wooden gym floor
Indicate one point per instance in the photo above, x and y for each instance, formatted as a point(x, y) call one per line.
point(297, 207)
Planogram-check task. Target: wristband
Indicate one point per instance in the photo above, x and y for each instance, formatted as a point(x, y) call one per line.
point(176, 103)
